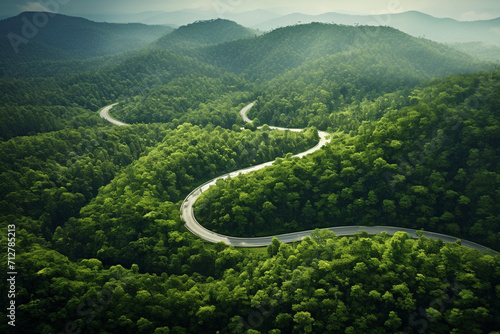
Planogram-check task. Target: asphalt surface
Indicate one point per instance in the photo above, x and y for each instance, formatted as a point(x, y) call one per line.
point(106, 116)
point(187, 212)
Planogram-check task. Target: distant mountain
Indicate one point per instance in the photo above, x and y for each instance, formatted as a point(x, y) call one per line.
point(175, 19)
point(203, 33)
point(253, 18)
point(183, 17)
point(33, 36)
point(414, 23)
point(287, 48)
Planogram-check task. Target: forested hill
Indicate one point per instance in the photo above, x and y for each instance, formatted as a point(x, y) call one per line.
point(443, 30)
point(231, 47)
point(332, 65)
point(311, 64)
point(100, 246)
point(135, 80)
point(318, 92)
point(61, 49)
point(430, 164)
point(204, 33)
point(43, 36)
point(283, 49)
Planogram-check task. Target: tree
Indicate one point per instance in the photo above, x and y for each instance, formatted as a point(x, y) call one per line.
point(274, 247)
point(304, 322)
point(205, 314)
point(394, 322)
point(144, 325)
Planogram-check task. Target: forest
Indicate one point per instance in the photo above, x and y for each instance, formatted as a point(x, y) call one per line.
point(38, 36)
point(100, 246)
point(430, 164)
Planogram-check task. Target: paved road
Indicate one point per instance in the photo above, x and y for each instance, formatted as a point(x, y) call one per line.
point(187, 212)
point(243, 113)
point(106, 116)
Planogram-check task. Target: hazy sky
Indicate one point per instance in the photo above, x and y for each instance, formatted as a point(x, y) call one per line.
point(457, 9)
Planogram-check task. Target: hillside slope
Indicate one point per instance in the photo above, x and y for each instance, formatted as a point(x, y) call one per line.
point(99, 242)
point(204, 33)
point(415, 23)
point(283, 49)
point(480, 50)
point(303, 63)
point(34, 35)
point(431, 164)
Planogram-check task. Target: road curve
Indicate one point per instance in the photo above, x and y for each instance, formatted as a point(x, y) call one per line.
point(105, 114)
point(243, 113)
point(187, 212)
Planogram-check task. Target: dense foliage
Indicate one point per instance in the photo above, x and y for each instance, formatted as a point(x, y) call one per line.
point(132, 77)
point(100, 246)
point(323, 284)
point(429, 165)
point(283, 49)
point(30, 120)
point(132, 219)
point(197, 100)
point(47, 178)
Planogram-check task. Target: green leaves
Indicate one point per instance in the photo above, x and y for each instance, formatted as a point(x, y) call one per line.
point(419, 166)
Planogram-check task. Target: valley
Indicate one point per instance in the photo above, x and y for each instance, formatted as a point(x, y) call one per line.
point(356, 194)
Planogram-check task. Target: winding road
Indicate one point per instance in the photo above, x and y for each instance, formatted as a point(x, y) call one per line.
point(106, 116)
point(187, 212)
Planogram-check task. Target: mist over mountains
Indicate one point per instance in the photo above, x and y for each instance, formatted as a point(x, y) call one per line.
point(178, 18)
point(61, 37)
point(414, 23)
point(411, 132)
point(219, 42)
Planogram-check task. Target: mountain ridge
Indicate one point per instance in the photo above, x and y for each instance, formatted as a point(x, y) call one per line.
point(80, 37)
point(205, 32)
point(414, 23)
point(93, 210)
point(289, 47)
